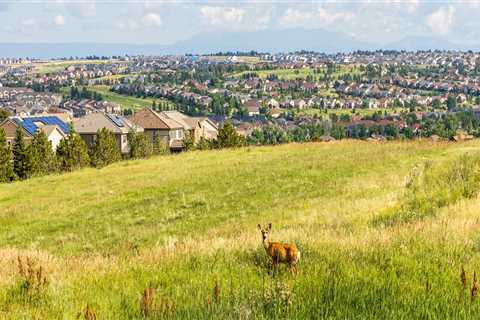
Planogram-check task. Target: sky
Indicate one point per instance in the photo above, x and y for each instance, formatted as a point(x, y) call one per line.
point(169, 21)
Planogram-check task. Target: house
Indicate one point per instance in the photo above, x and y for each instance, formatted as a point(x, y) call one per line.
point(158, 126)
point(54, 128)
point(88, 126)
point(253, 107)
point(198, 127)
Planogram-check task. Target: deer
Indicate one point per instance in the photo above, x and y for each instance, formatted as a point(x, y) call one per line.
point(280, 252)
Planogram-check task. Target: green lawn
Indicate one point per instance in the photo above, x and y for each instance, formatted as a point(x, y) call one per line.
point(185, 225)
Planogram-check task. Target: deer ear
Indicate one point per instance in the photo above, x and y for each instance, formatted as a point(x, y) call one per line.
point(259, 226)
point(269, 226)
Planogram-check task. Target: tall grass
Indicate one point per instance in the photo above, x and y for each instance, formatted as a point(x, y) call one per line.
point(434, 186)
point(176, 238)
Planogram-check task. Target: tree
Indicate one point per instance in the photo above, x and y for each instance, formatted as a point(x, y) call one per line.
point(4, 114)
point(160, 147)
point(22, 156)
point(105, 150)
point(188, 142)
point(44, 160)
point(228, 138)
point(451, 103)
point(72, 152)
point(203, 144)
point(140, 146)
point(6, 160)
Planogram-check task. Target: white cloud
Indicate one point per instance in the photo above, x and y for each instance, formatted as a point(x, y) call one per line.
point(315, 18)
point(222, 16)
point(59, 20)
point(441, 20)
point(152, 20)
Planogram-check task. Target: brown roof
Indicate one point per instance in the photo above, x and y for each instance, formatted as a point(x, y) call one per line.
point(188, 123)
point(149, 119)
point(98, 120)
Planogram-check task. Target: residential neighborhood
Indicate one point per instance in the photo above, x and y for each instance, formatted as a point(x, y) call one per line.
point(267, 98)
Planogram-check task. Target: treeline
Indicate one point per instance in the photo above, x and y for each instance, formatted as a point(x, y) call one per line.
point(76, 94)
point(445, 126)
point(37, 158)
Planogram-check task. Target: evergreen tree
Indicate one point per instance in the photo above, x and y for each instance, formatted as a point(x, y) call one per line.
point(105, 150)
point(44, 160)
point(22, 156)
point(72, 152)
point(159, 147)
point(140, 146)
point(228, 138)
point(188, 142)
point(6, 160)
point(451, 103)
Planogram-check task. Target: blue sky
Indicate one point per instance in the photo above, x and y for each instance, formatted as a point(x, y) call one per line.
point(165, 22)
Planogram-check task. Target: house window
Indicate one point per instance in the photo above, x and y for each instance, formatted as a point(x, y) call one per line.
point(179, 134)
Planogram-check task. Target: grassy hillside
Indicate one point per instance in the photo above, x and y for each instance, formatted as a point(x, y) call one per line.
point(185, 225)
point(302, 73)
point(125, 101)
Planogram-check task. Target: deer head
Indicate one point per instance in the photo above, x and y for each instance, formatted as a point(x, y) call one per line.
point(265, 231)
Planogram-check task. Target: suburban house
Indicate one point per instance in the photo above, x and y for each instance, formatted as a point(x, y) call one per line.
point(54, 128)
point(198, 127)
point(88, 126)
point(171, 125)
point(158, 126)
point(253, 107)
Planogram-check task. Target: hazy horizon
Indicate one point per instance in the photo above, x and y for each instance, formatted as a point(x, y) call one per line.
point(168, 22)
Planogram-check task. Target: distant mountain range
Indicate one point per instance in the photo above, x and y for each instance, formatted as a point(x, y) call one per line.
point(263, 41)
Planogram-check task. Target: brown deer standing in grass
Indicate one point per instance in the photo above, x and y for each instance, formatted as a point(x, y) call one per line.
point(280, 252)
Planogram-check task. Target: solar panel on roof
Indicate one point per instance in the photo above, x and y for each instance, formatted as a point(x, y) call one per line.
point(117, 120)
point(29, 123)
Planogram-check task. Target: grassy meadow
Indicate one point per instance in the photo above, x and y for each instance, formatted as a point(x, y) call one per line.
point(380, 233)
point(125, 101)
point(300, 73)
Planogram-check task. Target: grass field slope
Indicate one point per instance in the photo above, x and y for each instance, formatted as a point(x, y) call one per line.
point(384, 230)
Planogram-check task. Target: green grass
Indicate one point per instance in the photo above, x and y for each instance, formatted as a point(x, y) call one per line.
point(185, 224)
point(358, 111)
point(302, 73)
point(125, 101)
